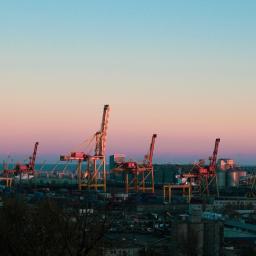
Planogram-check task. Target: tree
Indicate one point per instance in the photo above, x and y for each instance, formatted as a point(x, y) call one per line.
point(47, 229)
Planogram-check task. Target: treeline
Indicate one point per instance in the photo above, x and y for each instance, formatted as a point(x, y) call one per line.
point(45, 229)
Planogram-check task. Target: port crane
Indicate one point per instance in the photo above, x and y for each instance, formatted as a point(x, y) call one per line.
point(28, 168)
point(208, 175)
point(95, 174)
point(203, 176)
point(198, 180)
point(139, 177)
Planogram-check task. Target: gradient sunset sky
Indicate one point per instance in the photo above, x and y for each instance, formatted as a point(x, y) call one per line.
point(185, 70)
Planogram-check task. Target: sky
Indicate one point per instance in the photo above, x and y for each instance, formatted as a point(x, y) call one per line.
point(185, 70)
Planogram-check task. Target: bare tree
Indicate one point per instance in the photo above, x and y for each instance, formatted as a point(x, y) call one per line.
point(47, 229)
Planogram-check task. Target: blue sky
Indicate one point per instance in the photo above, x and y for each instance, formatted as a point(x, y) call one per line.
point(183, 69)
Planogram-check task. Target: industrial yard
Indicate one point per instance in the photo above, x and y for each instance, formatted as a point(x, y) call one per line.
point(127, 128)
point(137, 208)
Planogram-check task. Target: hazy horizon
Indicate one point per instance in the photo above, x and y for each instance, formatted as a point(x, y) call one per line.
point(242, 160)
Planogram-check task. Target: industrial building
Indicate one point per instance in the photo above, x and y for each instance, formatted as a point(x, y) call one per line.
point(157, 208)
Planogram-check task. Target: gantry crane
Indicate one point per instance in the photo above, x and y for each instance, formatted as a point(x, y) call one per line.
point(95, 174)
point(200, 177)
point(139, 177)
point(204, 176)
point(209, 176)
point(28, 168)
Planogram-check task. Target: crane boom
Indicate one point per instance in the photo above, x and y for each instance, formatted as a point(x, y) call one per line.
point(101, 136)
point(104, 127)
point(33, 158)
point(213, 159)
point(151, 151)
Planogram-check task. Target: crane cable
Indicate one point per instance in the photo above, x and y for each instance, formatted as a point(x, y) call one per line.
point(84, 144)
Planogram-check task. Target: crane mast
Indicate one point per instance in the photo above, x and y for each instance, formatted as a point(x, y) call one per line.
point(98, 143)
point(213, 159)
point(101, 136)
point(151, 151)
point(104, 126)
point(33, 158)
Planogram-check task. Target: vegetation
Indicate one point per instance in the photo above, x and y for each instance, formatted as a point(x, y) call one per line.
point(46, 229)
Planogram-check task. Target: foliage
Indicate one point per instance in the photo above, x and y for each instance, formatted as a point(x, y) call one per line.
point(46, 229)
